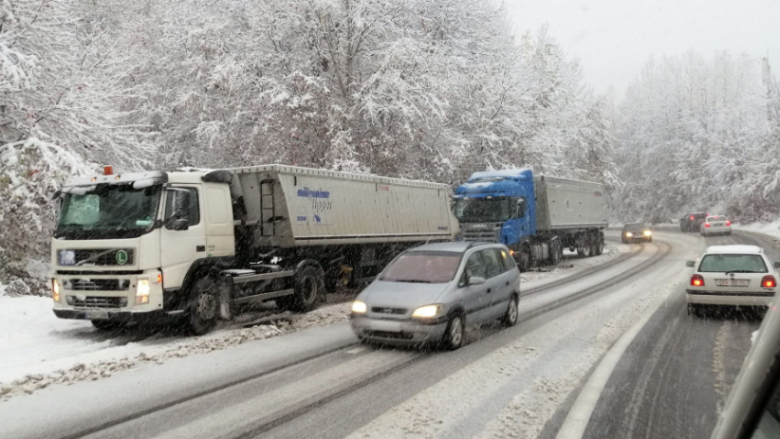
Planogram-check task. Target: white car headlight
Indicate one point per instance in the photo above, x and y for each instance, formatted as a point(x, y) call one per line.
point(142, 291)
point(359, 307)
point(647, 233)
point(629, 234)
point(427, 311)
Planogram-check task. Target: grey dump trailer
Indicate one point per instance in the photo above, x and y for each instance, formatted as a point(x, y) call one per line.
point(200, 244)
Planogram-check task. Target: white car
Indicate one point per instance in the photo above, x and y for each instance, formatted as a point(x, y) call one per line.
point(715, 225)
point(735, 275)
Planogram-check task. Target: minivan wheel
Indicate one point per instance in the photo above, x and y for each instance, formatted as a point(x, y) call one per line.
point(453, 337)
point(510, 318)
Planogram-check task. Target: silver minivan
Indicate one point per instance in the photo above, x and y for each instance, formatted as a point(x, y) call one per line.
point(430, 293)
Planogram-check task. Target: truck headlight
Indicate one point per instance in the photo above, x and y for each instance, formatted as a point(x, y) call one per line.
point(142, 291)
point(427, 311)
point(647, 233)
point(55, 290)
point(359, 307)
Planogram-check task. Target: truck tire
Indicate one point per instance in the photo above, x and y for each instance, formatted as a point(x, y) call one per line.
point(556, 252)
point(598, 248)
point(203, 307)
point(585, 246)
point(524, 261)
point(309, 288)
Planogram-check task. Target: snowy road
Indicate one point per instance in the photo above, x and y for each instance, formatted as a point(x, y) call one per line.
point(675, 377)
point(321, 383)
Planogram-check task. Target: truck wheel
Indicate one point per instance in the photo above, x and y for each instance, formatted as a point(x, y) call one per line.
point(584, 248)
point(598, 249)
point(556, 252)
point(524, 258)
point(309, 285)
point(204, 307)
point(107, 325)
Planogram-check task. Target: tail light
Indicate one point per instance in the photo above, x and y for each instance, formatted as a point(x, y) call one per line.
point(698, 281)
point(706, 224)
point(108, 170)
point(691, 217)
point(768, 282)
point(728, 223)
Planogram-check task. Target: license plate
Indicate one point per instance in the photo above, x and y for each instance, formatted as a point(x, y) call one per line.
point(731, 282)
point(96, 314)
point(384, 325)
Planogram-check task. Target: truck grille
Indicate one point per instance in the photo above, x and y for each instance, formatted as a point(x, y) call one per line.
point(97, 302)
point(98, 285)
point(384, 310)
point(481, 232)
point(97, 256)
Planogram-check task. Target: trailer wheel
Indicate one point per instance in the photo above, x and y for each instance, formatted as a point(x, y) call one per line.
point(598, 248)
point(309, 285)
point(584, 246)
point(556, 252)
point(203, 307)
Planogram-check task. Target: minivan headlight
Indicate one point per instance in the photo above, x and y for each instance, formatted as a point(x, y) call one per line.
point(359, 307)
point(427, 311)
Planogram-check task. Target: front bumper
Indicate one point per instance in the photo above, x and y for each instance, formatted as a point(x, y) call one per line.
point(91, 296)
point(398, 331)
point(703, 297)
point(114, 316)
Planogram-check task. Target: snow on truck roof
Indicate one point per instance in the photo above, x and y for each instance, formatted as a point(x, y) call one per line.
point(732, 249)
point(195, 175)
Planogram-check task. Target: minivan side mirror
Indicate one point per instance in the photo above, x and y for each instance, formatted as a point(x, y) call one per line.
point(777, 264)
point(692, 263)
point(476, 280)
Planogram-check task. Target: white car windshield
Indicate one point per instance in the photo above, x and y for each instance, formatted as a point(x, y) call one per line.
point(732, 263)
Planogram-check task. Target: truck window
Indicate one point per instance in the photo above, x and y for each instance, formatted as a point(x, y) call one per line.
point(194, 214)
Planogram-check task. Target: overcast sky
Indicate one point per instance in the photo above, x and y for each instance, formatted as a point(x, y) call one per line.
point(614, 38)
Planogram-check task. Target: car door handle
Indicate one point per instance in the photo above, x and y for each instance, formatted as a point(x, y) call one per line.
point(507, 283)
point(489, 290)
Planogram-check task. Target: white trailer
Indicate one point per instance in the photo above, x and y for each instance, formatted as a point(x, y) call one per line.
point(199, 244)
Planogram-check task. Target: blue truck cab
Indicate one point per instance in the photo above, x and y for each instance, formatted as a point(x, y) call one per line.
point(497, 206)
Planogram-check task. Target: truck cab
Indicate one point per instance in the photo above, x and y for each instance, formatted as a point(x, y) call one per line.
point(124, 243)
point(497, 206)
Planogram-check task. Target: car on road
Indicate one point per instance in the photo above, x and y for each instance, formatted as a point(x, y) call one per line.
point(731, 275)
point(429, 294)
point(636, 232)
point(715, 225)
point(692, 222)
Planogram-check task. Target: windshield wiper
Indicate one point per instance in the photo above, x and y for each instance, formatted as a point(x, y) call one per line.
point(741, 271)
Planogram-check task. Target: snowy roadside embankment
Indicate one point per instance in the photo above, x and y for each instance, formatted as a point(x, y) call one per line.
point(40, 350)
point(771, 230)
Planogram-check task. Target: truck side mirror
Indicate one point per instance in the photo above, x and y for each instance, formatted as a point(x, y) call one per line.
point(179, 219)
point(520, 208)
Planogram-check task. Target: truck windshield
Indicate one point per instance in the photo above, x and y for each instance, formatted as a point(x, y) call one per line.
point(479, 210)
point(108, 211)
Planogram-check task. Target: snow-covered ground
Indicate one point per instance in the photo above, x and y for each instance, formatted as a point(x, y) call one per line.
point(772, 229)
point(40, 350)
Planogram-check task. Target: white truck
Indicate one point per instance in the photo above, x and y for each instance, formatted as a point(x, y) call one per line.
point(198, 244)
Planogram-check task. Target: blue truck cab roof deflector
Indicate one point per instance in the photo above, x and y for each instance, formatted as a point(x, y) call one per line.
point(503, 182)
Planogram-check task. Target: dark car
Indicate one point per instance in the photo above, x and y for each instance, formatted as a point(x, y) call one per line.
point(692, 222)
point(636, 232)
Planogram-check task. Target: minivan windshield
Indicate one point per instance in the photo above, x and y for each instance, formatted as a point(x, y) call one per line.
point(735, 263)
point(431, 267)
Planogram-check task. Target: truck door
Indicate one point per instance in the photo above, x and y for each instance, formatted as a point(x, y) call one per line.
point(179, 246)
